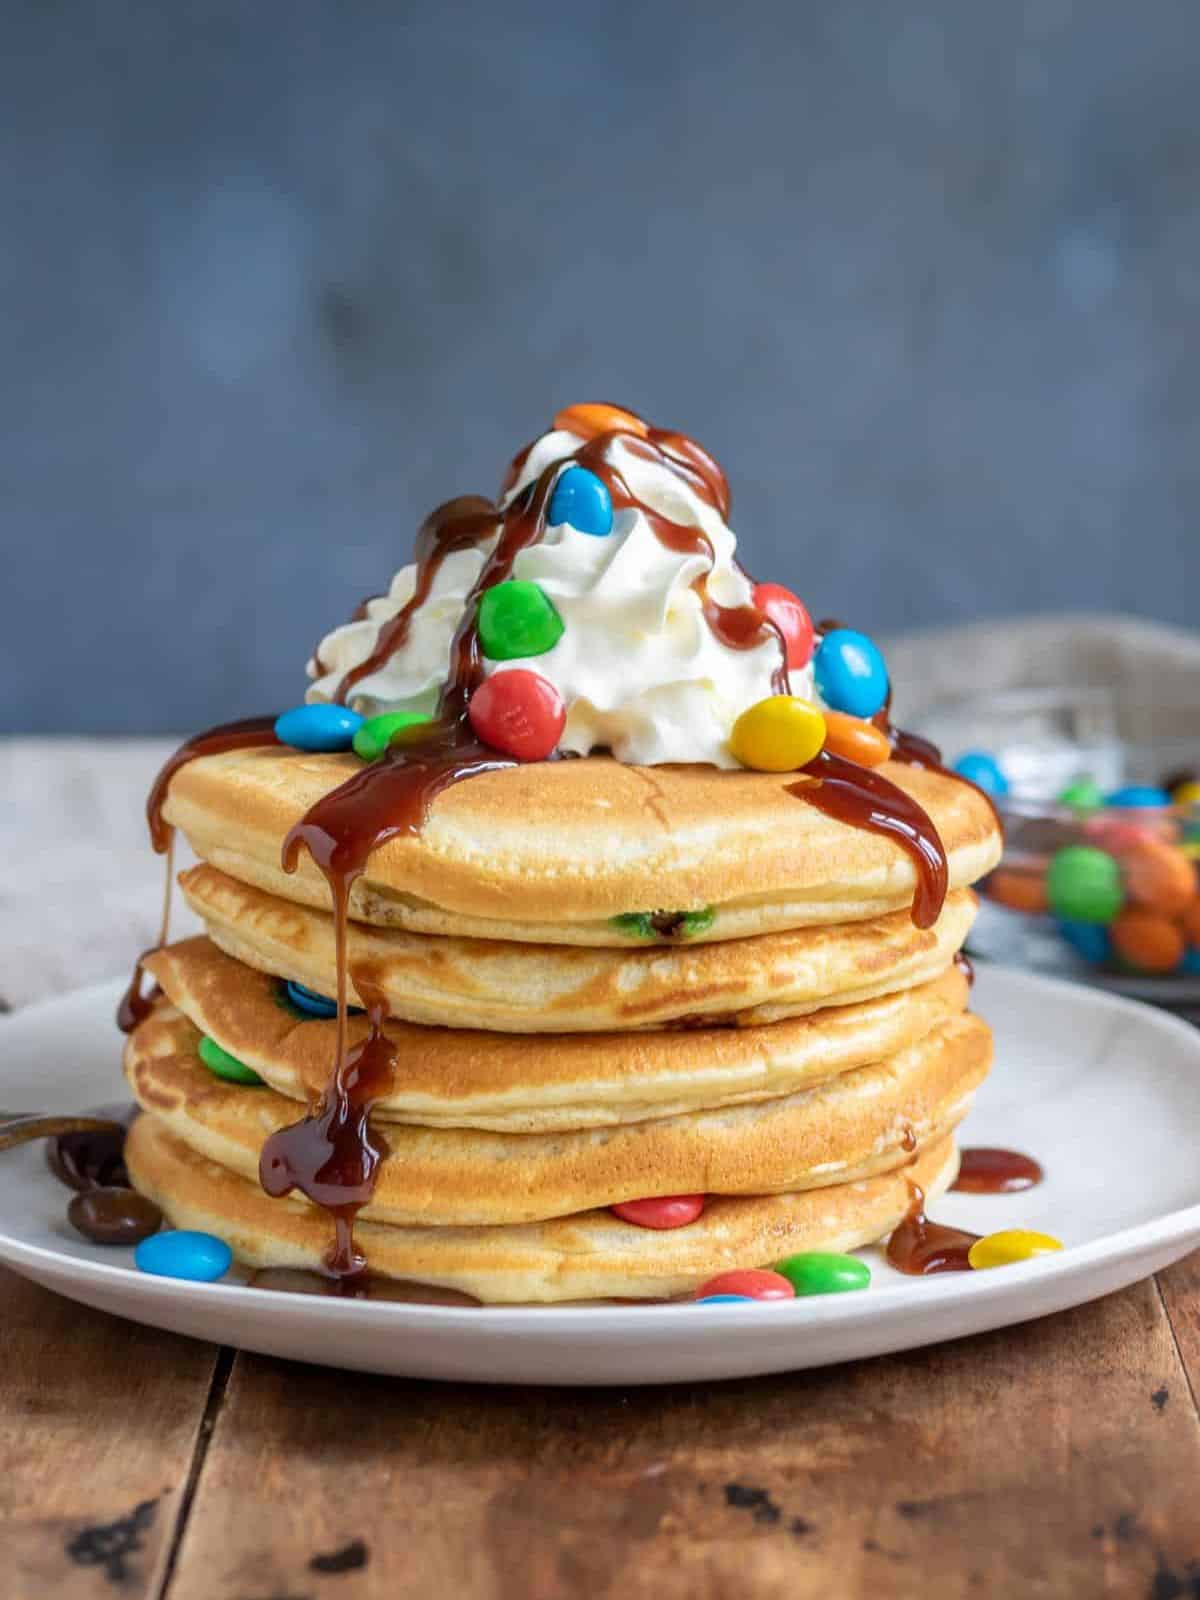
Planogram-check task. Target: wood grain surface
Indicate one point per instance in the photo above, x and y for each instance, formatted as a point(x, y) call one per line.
point(1059, 1458)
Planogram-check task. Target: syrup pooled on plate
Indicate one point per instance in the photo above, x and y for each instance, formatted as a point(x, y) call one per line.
point(919, 1247)
point(987, 1170)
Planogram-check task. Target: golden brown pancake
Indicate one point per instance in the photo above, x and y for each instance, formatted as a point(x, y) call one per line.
point(594, 1255)
point(550, 852)
point(453, 1077)
point(515, 988)
point(849, 1127)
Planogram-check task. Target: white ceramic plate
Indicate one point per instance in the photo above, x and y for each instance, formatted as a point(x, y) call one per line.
point(1102, 1091)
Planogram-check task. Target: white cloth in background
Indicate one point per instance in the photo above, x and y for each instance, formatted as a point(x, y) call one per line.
point(80, 887)
point(1146, 663)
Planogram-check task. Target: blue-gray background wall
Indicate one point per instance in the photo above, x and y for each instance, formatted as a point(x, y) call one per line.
point(275, 278)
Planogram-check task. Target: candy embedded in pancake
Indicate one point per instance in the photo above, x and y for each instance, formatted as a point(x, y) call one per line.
point(515, 988)
point(553, 851)
point(590, 1256)
point(846, 1128)
point(453, 1077)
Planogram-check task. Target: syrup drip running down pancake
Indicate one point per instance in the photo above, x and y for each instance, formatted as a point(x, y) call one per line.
point(328, 1156)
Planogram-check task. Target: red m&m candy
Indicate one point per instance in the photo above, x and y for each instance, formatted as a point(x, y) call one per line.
point(756, 1283)
point(519, 713)
point(791, 617)
point(661, 1211)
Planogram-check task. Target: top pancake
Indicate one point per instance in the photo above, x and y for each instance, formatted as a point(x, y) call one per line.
point(551, 851)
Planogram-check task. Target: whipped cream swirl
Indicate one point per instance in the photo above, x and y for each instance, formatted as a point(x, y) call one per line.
point(639, 669)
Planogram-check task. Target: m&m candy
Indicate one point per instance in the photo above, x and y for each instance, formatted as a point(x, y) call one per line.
point(517, 619)
point(851, 674)
point(390, 727)
point(222, 1065)
point(855, 739)
point(1139, 797)
point(519, 713)
point(1186, 794)
point(726, 1300)
point(1117, 834)
point(581, 499)
point(661, 1211)
point(318, 727)
point(778, 734)
point(750, 1283)
point(1018, 890)
point(1082, 796)
point(790, 616)
point(200, 1257)
point(309, 1001)
point(984, 771)
point(1091, 940)
point(1010, 1245)
point(1147, 941)
point(1084, 884)
point(824, 1272)
point(593, 417)
point(1159, 876)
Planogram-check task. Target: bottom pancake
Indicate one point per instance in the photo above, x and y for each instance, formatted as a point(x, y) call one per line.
point(592, 1255)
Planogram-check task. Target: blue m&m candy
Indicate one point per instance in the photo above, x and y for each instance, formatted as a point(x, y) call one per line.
point(851, 673)
point(726, 1300)
point(318, 727)
point(581, 499)
point(314, 1004)
point(309, 1001)
point(1091, 940)
point(1138, 797)
point(984, 771)
point(199, 1257)
point(1191, 962)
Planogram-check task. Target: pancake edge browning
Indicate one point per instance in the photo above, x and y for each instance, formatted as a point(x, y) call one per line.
point(549, 852)
point(512, 988)
point(590, 1256)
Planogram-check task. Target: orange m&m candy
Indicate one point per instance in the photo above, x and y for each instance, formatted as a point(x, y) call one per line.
point(1147, 940)
point(1159, 877)
point(856, 739)
point(595, 417)
point(1020, 891)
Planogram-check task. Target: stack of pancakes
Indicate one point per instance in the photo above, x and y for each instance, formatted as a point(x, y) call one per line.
point(606, 983)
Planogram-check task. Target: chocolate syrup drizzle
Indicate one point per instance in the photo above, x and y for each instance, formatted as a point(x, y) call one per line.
point(329, 1155)
point(332, 1154)
point(919, 1247)
point(250, 733)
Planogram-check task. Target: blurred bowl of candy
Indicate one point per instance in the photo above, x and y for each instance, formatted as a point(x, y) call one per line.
point(1100, 800)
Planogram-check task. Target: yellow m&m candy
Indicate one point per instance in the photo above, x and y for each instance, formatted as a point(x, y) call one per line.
point(1009, 1246)
point(778, 734)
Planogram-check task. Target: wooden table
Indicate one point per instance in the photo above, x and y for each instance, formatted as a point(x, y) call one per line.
point(1060, 1458)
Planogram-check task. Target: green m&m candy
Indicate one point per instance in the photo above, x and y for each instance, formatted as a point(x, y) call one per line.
point(373, 738)
point(824, 1272)
point(222, 1065)
point(1084, 795)
point(517, 619)
point(1084, 884)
